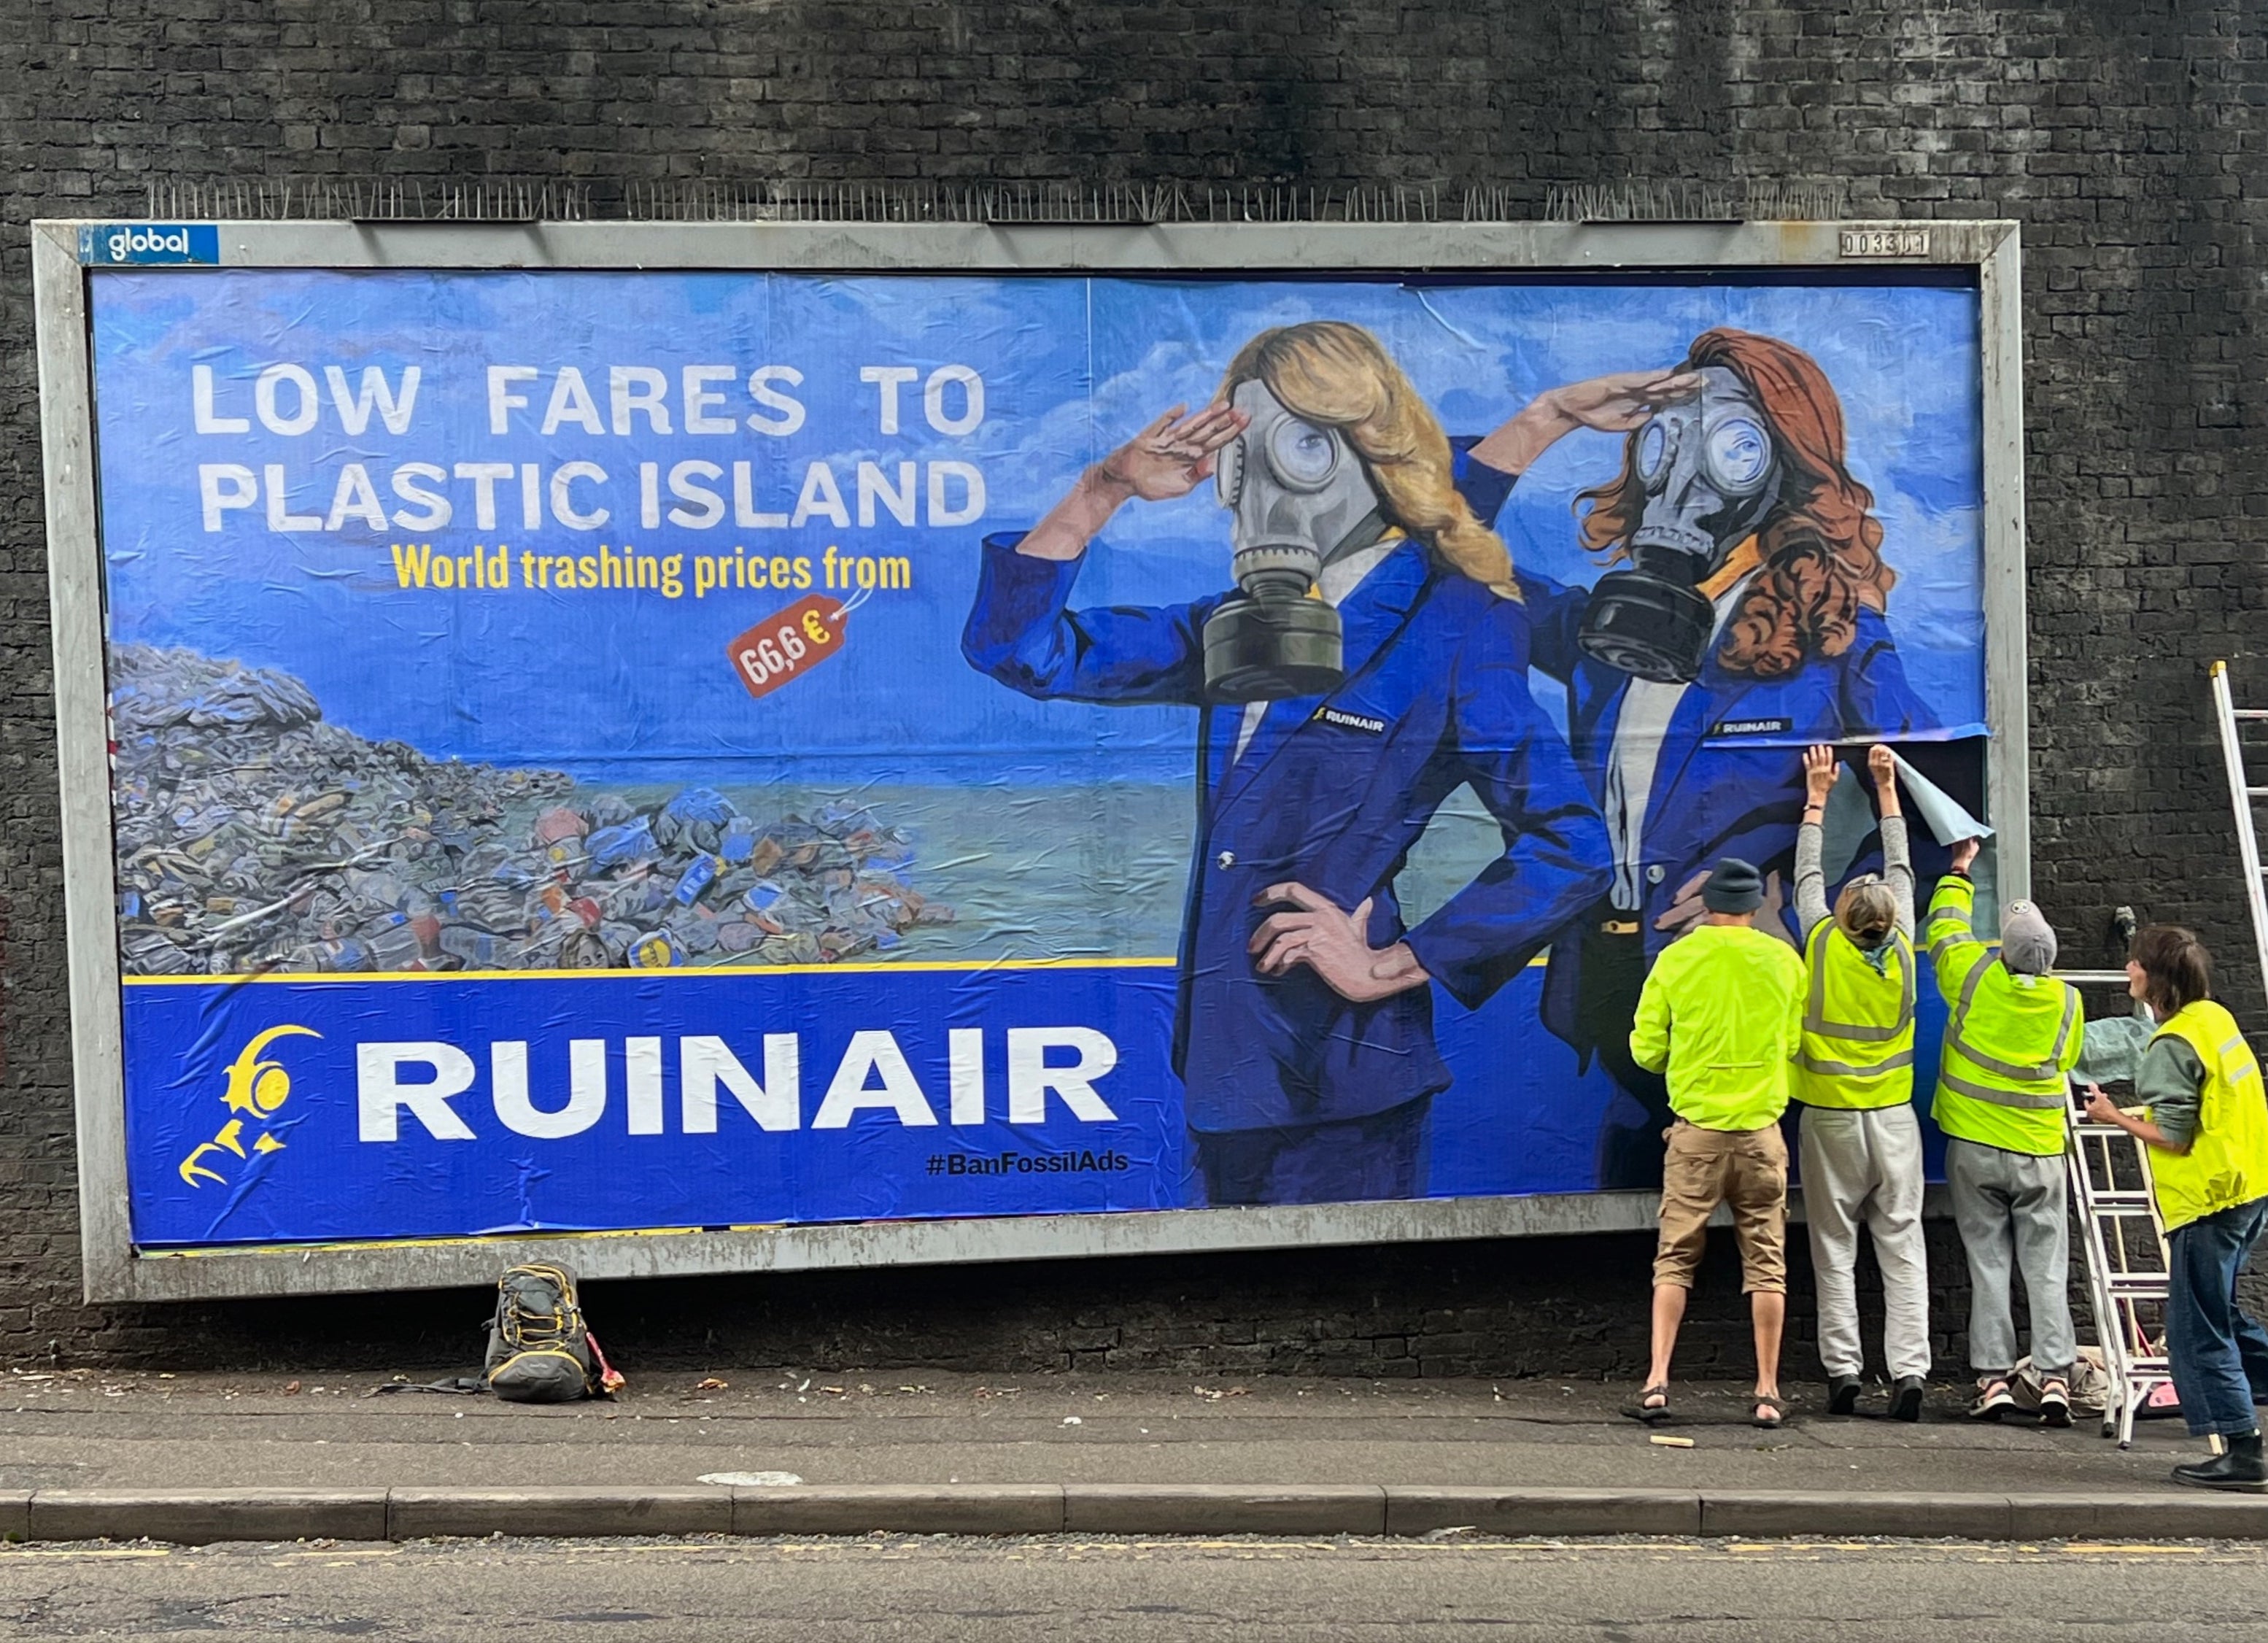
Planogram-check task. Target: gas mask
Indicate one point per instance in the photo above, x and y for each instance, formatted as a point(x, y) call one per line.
point(1300, 498)
point(1711, 473)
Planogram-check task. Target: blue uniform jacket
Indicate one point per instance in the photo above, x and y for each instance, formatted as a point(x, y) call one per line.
point(1332, 793)
point(1729, 781)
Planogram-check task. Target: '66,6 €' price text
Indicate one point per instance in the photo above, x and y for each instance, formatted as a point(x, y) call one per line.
point(788, 645)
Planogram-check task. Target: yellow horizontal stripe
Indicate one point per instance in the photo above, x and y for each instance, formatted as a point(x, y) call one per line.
point(207, 1251)
point(337, 977)
point(964, 966)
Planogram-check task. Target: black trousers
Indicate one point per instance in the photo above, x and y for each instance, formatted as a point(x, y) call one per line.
point(1613, 973)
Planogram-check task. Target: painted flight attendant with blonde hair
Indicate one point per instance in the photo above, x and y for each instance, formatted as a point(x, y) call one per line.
point(1303, 1034)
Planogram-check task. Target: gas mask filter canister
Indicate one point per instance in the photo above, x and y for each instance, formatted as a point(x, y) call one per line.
point(1711, 473)
point(1300, 497)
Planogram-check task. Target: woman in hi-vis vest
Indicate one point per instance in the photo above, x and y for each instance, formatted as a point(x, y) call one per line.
point(2206, 1125)
point(1861, 1142)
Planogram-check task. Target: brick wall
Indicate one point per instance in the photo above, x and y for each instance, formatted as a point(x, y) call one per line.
point(2127, 138)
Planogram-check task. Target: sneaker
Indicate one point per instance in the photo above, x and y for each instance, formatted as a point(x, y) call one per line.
point(2055, 1404)
point(2240, 1466)
point(1993, 1400)
point(1905, 1398)
point(1842, 1393)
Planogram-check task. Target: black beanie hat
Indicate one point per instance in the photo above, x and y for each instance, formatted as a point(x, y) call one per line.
point(1735, 887)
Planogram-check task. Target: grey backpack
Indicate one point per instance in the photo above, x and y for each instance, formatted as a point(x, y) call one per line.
point(540, 1349)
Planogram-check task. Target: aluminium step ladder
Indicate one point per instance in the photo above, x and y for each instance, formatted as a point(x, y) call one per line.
point(2128, 1269)
point(2243, 794)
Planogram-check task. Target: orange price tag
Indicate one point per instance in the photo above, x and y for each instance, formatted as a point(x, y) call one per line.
point(788, 645)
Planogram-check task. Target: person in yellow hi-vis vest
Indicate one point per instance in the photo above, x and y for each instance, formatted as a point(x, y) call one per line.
point(2013, 1034)
point(1721, 1015)
point(2208, 1130)
point(1861, 1142)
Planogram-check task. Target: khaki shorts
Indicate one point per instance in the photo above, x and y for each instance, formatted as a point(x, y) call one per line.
point(1745, 1168)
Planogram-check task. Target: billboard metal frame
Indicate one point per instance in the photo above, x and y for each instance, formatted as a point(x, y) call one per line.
point(113, 1268)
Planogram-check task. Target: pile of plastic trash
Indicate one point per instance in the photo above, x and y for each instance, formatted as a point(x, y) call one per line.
point(252, 835)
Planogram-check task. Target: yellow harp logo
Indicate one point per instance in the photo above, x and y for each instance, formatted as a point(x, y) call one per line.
point(256, 1092)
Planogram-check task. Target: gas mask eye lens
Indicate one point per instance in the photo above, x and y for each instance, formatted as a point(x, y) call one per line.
point(1302, 454)
point(1739, 454)
point(1653, 451)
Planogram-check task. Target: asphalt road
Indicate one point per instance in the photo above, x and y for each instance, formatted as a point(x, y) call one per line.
point(1000, 1591)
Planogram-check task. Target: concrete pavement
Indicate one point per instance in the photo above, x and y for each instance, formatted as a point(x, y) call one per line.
point(87, 1454)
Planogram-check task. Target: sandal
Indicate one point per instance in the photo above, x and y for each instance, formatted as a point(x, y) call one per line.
point(2055, 1402)
point(1760, 1406)
point(1651, 1414)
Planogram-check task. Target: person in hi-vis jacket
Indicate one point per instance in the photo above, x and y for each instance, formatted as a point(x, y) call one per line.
point(1304, 1032)
point(1743, 620)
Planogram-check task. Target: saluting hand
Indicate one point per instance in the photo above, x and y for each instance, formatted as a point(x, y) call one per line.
point(1174, 454)
point(1622, 401)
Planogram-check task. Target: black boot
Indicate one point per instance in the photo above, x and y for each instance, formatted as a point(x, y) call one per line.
point(1905, 1402)
point(1842, 1393)
point(2241, 1465)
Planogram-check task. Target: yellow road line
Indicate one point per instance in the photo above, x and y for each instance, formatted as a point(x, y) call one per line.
point(69, 1551)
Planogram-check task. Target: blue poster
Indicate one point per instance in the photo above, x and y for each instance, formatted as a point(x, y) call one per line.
point(624, 751)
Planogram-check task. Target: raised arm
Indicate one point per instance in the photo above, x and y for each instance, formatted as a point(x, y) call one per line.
point(1618, 403)
point(1021, 630)
point(1898, 858)
point(1170, 458)
point(1810, 878)
point(1954, 948)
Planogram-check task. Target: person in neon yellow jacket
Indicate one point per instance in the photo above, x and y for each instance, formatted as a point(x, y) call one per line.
point(2013, 1034)
point(1860, 1143)
point(1721, 1016)
point(2206, 1125)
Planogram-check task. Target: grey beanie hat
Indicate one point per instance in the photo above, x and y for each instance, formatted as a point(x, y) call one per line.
point(2028, 943)
point(1735, 887)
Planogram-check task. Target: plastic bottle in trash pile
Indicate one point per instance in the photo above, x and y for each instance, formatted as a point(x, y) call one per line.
point(612, 846)
point(393, 942)
point(476, 947)
point(699, 875)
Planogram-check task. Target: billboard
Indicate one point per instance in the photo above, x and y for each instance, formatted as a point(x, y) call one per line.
point(608, 750)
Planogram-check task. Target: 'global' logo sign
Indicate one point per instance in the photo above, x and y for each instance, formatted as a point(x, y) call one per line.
point(129, 243)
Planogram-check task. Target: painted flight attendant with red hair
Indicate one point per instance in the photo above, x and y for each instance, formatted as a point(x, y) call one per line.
point(1741, 616)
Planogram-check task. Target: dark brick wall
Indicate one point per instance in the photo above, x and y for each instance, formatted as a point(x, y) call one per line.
point(1503, 1309)
point(2126, 137)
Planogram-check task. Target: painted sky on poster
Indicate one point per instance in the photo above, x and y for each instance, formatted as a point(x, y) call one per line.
point(609, 680)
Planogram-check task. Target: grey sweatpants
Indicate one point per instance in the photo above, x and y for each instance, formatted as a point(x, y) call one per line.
point(2013, 1204)
point(1865, 1169)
